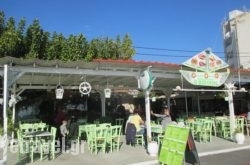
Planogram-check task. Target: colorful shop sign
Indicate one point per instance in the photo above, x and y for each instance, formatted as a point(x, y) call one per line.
point(205, 65)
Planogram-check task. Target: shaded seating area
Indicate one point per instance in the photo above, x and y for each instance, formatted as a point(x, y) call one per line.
point(204, 128)
point(35, 140)
point(103, 137)
point(47, 145)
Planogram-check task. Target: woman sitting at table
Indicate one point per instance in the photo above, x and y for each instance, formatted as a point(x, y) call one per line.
point(136, 119)
point(166, 118)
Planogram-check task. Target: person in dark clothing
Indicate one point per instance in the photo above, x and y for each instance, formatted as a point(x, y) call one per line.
point(130, 133)
point(73, 126)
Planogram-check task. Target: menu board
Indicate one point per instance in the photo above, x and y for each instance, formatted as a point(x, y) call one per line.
point(178, 146)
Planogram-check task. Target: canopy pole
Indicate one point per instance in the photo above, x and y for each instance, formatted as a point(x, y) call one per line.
point(148, 120)
point(186, 104)
point(5, 118)
point(231, 112)
point(199, 107)
point(13, 114)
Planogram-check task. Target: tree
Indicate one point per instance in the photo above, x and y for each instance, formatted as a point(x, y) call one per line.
point(9, 39)
point(55, 47)
point(45, 42)
point(118, 47)
point(33, 40)
point(127, 51)
point(75, 49)
point(2, 20)
point(20, 47)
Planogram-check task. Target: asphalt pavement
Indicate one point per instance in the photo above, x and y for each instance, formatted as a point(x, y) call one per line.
point(217, 152)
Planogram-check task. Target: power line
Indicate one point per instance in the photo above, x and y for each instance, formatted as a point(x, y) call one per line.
point(171, 50)
point(160, 55)
point(182, 50)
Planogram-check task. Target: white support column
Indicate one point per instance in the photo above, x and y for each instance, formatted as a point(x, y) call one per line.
point(5, 117)
point(231, 112)
point(13, 114)
point(147, 109)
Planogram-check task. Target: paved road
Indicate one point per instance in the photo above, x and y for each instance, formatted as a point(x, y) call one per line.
point(217, 152)
point(241, 157)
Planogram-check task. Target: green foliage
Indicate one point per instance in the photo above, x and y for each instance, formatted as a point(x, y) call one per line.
point(34, 42)
point(10, 125)
point(9, 39)
point(2, 21)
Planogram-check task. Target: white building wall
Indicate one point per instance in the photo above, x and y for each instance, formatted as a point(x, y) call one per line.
point(236, 39)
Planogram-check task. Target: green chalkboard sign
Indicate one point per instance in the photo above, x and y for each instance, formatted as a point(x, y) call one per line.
point(178, 146)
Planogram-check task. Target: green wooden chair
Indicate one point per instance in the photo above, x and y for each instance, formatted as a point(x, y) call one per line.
point(139, 139)
point(26, 127)
point(81, 131)
point(225, 129)
point(104, 125)
point(22, 146)
point(205, 134)
point(113, 137)
point(89, 128)
point(239, 123)
point(47, 145)
point(99, 139)
point(119, 121)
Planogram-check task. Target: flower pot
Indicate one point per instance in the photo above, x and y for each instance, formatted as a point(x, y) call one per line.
point(153, 148)
point(239, 138)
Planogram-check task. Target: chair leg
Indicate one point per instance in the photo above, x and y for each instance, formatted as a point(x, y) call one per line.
point(139, 139)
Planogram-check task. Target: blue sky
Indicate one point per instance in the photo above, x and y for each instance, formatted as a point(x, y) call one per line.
point(178, 29)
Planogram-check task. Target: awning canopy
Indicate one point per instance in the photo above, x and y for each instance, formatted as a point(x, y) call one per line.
point(114, 74)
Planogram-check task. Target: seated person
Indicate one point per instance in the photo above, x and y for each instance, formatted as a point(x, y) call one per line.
point(136, 119)
point(137, 127)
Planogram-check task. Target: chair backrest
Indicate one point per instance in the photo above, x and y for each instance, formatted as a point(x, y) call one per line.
point(81, 128)
point(100, 133)
point(21, 142)
point(26, 127)
point(240, 123)
point(97, 121)
point(40, 126)
point(104, 125)
point(90, 128)
point(207, 125)
point(53, 131)
point(115, 131)
point(119, 121)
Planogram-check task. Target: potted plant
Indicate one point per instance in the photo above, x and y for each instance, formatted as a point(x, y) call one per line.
point(239, 136)
point(152, 147)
